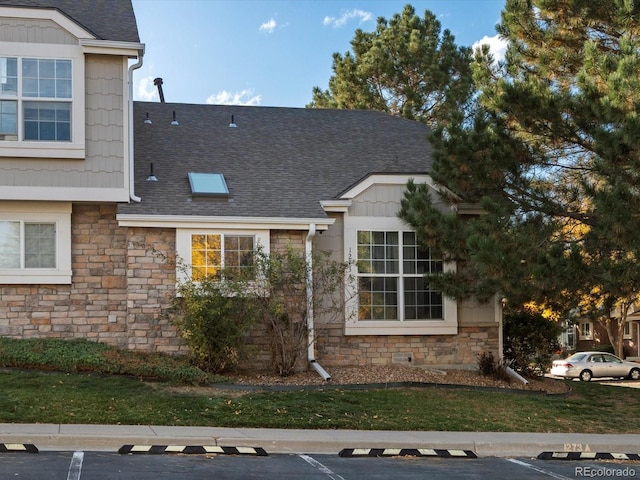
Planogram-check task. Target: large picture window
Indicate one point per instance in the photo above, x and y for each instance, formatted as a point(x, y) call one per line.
point(391, 285)
point(36, 99)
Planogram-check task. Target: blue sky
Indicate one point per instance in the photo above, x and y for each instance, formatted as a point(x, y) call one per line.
point(271, 52)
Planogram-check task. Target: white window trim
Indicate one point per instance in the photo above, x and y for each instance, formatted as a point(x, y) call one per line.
point(44, 149)
point(50, 212)
point(353, 326)
point(628, 336)
point(580, 331)
point(183, 245)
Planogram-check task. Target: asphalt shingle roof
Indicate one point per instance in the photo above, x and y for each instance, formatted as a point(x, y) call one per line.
point(106, 19)
point(278, 162)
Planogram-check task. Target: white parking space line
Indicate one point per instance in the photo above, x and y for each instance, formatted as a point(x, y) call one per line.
point(539, 470)
point(76, 466)
point(321, 467)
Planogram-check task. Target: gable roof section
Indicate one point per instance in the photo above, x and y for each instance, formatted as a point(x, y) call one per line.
point(106, 19)
point(278, 162)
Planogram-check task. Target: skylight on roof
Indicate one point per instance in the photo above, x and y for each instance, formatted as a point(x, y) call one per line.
point(208, 184)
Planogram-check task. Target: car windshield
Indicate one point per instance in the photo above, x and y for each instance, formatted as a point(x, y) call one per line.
point(577, 357)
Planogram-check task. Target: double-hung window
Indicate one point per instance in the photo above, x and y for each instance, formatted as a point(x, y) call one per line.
point(391, 284)
point(392, 295)
point(36, 97)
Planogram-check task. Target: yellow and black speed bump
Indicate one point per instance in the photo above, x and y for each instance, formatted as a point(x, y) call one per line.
point(406, 452)
point(191, 450)
point(18, 447)
point(588, 456)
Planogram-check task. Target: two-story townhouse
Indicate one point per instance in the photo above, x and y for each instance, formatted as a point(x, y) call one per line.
point(85, 232)
point(65, 163)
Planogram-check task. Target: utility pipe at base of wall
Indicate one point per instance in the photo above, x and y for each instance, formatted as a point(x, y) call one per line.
point(311, 354)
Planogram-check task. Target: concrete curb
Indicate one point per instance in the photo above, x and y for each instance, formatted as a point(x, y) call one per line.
point(483, 444)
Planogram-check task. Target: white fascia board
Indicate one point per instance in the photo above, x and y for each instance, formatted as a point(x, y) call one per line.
point(47, 14)
point(65, 194)
point(110, 47)
point(394, 179)
point(190, 221)
point(341, 206)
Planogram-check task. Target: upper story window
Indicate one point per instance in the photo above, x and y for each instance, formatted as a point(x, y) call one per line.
point(36, 99)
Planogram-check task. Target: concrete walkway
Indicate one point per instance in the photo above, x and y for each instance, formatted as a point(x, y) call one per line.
point(112, 437)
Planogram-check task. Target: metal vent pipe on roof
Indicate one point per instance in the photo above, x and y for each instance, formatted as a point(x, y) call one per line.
point(158, 83)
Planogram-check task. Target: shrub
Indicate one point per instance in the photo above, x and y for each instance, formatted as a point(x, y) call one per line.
point(489, 367)
point(80, 355)
point(529, 341)
point(213, 316)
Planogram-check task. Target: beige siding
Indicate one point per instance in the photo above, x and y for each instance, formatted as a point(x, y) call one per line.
point(379, 201)
point(34, 31)
point(103, 166)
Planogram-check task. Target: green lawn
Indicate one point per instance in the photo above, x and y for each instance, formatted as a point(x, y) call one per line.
point(29, 397)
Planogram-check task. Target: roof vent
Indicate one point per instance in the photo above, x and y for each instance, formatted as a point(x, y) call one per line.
point(158, 83)
point(151, 177)
point(233, 123)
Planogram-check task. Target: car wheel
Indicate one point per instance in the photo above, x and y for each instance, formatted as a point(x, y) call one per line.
point(634, 374)
point(586, 375)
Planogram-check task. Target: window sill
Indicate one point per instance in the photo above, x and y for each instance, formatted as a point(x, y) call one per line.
point(34, 277)
point(426, 327)
point(42, 150)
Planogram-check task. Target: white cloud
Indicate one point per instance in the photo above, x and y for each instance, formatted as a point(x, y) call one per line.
point(147, 91)
point(268, 26)
point(347, 15)
point(243, 97)
point(497, 46)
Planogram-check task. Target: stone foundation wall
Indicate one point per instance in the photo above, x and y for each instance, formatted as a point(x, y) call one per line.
point(439, 351)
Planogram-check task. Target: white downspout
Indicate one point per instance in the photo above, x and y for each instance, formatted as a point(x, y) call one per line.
point(133, 67)
point(311, 354)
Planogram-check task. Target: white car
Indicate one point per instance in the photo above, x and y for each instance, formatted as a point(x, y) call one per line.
point(588, 365)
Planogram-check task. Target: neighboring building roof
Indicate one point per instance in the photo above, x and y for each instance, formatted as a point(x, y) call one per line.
point(278, 162)
point(106, 19)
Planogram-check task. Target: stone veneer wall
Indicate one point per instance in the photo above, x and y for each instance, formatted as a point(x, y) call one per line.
point(94, 306)
point(124, 279)
point(451, 351)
